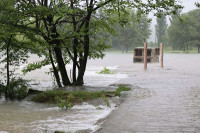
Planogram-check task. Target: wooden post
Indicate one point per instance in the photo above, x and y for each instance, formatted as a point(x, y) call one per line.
point(145, 56)
point(161, 55)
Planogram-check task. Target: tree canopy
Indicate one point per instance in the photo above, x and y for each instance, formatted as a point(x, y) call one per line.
point(184, 33)
point(68, 31)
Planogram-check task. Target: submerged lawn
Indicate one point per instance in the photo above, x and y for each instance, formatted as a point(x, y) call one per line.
point(76, 96)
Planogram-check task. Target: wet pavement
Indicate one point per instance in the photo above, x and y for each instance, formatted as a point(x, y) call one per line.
point(162, 100)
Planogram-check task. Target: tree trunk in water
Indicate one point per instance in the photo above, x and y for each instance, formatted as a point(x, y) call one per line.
point(61, 66)
point(75, 60)
point(7, 68)
point(75, 41)
point(86, 53)
point(55, 71)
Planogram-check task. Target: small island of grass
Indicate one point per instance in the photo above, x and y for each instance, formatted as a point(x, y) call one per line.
point(66, 99)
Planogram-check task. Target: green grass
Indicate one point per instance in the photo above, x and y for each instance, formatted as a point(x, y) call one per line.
point(190, 51)
point(76, 96)
point(121, 88)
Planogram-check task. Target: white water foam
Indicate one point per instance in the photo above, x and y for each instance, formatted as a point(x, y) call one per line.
point(80, 117)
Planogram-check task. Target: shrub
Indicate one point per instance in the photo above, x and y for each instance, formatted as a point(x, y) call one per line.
point(66, 102)
point(105, 71)
point(17, 89)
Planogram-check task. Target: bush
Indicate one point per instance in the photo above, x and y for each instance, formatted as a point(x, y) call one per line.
point(65, 103)
point(106, 71)
point(17, 89)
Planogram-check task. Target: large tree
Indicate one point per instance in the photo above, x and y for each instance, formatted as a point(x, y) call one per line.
point(184, 31)
point(13, 50)
point(69, 30)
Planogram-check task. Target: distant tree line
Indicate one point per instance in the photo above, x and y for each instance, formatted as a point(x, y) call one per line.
point(131, 34)
point(184, 33)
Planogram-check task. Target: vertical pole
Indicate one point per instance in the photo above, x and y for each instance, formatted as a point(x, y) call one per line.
point(145, 56)
point(161, 55)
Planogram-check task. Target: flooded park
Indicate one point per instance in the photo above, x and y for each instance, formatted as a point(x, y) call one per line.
point(164, 99)
point(98, 66)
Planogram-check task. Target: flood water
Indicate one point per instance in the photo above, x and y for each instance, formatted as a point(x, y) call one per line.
point(25, 116)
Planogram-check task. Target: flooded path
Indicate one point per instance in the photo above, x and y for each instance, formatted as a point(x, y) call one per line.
point(162, 100)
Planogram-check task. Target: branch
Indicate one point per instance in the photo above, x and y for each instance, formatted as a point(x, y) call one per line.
point(58, 20)
point(101, 5)
point(90, 12)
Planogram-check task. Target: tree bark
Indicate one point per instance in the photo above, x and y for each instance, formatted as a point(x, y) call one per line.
point(86, 52)
point(8, 67)
point(75, 59)
point(75, 44)
point(8, 63)
point(61, 65)
point(55, 71)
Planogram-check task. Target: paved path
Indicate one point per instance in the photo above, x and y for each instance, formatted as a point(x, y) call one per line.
point(162, 101)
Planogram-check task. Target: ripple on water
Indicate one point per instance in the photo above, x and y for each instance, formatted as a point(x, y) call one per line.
point(30, 117)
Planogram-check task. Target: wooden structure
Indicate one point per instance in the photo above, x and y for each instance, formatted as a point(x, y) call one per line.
point(152, 54)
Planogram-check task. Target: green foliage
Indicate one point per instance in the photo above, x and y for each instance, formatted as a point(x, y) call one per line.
point(17, 89)
point(66, 99)
point(131, 34)
point(35, 65)
point(121, 88)
point(78, 96)
point(65, 102)
point(67, 31)
point(105, 71)
point(197, 4)
point(184, 33)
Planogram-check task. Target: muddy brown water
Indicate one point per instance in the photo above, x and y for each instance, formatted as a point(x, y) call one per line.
point(178, 79)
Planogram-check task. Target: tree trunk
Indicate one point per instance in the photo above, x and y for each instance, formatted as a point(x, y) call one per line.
point(61, 65)
point(86, 53)
point(198, 48)
point(7, 68)
point(74, 45)
point(55, 71)
point(8, 64)
point(75, 59)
